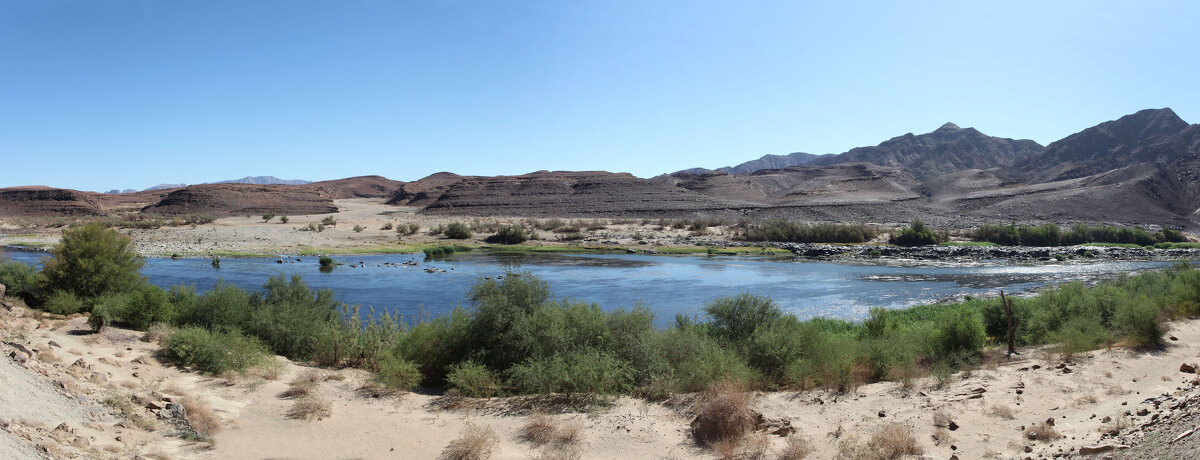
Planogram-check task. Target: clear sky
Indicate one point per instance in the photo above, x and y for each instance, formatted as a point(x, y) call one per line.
point(97, 95)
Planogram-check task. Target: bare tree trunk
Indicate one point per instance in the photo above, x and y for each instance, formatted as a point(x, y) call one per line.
point(1013, 323)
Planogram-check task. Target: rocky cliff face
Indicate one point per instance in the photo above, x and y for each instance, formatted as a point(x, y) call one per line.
point(1148, 136)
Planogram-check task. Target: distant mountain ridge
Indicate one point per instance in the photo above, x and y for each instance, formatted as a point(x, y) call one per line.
point(255, 180)
point(945, 150)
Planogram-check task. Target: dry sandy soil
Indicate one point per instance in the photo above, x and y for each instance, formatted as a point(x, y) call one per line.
point(53, 405)
point(250, 235)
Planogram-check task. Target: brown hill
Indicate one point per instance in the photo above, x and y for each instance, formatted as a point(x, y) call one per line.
point(425, 191)
point(357, 187)
point(561, 193)
point(32, 201)
point(234, 199)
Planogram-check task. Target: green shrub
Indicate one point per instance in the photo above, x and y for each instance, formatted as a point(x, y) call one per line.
point(736, 318)
point(92, 260)
point(224, 307)
point(359, 228)
point(958, 333)
point(916, 234)
point(588, 371)
point(268, 216)
point(784, 231)
point(326, 262)
point(1080, 334)
point(508, 234)
point(289, 317)
point(396, 374)
point(457, 231)
point(1140, 322)
point(329, 221)
point(16, 277)
point(693, 360)
point(214, 353)
point(386, 226)
point(435, 345)
point(444, 250)
point(63, 303)
point(283, 219)
point(140, 308)
point(473, 380)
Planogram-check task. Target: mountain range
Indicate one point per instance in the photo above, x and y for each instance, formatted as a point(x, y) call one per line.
point(1140, 169)
point(256, 180)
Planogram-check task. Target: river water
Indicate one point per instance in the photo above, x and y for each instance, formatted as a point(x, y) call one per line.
point(665, 284)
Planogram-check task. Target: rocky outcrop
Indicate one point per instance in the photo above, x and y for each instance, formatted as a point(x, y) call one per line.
point(237, 199)
point(545, 193)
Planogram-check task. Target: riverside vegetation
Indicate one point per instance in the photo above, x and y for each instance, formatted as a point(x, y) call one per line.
point(517, 338)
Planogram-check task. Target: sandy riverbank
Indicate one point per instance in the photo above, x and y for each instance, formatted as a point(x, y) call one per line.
point(53, 404)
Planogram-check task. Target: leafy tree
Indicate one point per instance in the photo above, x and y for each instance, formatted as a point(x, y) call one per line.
point(92, 260)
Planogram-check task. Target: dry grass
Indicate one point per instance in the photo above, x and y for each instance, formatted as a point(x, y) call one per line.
point(888, 443)
point(724, 414)
point(1043, 432)
point(557, 441)
point(123, 407)
point(894, 441)
point(156, 332)
point(1003, 412)
point(1085, 400)
point(539, 430)
point(303, 385)
point(201, 417)
point(310, 407)
point(797, 448)
point(475, 444)
point(751, 446)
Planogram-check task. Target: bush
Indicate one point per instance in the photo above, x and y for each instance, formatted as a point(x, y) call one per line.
point(396, 374)
point(1140, 322)
point(283, 219)
point(917, 234)
point(16, 277)
point(443, 251)
point(214, 353)
point(784, 231)
point(268, 216)
point(138, 309)
point(224, 307)
point(289, 317)
point(736, 318)
point(958, 333)
point(473, 380)
point(588, 371)
point(92, 260)
point(63, 303)
point(329, 221)
point(725, 414)
point(457, 231)
point(508, 234)
point(359, 228)
point(386, 226)
point(326, 262)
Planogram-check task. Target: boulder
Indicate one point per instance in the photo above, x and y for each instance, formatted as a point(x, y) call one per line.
point(1189, 368)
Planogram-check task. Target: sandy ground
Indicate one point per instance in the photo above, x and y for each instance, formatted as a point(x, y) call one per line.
point(251, 235)
point(53, 406)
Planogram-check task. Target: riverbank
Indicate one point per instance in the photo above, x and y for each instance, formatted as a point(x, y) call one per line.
point(65, 399)
point(367, 226)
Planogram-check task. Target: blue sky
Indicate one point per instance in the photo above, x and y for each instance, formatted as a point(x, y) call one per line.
point(96, 95)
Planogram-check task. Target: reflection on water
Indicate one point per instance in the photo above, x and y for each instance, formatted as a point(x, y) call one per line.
point(665, 284)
